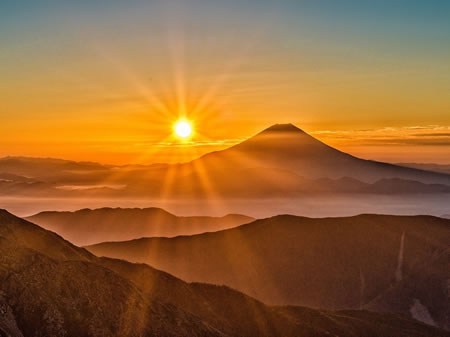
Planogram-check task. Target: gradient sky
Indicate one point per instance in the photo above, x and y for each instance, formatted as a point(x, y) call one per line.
point(105, 80)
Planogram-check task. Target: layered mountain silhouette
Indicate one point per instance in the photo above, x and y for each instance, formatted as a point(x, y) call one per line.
point(380, 262)
point(284, 146)
point(279, 161)
point(48, 169)
point(86, 226)
point(441, 168)
point(51, 288)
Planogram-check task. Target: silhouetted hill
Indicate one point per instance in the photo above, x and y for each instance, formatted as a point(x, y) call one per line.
point(279, 161)
point(30, 166)
point(52, 293)
point(27, 234)
point(284, 146)
point(51, 288)
point(441, 168)
point(396, 186)
point(387, 263)
point(88, 226)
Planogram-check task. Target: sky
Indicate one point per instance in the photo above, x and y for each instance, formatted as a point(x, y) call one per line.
point(105, 80)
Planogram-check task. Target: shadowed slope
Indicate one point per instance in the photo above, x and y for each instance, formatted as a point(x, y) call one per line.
point(58, 289)
point(331, 263)
point(28, 235)
point(43, 293)
point(285, 146)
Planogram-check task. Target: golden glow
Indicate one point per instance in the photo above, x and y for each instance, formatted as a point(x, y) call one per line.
point(112, 105)
point(183, 128)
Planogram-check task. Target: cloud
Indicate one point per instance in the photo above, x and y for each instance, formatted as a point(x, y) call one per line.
point(447, 134)
point(430, 135)
point(409, 141)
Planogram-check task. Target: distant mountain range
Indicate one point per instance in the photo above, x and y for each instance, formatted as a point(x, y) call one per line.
point(441, 168)
point(86, 226)
point(376, 262)
point(51, 288)
point(279, 161)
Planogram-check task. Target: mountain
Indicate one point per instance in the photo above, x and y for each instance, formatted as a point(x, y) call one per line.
point(442, 168)
point(249, 183)
point(401, 186)
point(51, 288)
point(381, 262)
point(284, 146)
point(282, 160)
point(29, 166)
point(86, 226)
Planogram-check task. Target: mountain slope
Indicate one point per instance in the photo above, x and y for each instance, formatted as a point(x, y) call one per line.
point(51, 288)
point(95, 301)
point(88, 226)
point(441, 168)
point(282, 160)
point(332, 263)
point(284, 146)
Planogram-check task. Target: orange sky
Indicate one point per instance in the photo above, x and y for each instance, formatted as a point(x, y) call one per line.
point(105, 82)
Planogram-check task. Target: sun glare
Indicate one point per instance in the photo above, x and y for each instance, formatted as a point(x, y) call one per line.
point(183, 129)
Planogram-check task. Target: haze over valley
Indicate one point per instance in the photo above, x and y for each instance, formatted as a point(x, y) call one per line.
point(280, 170)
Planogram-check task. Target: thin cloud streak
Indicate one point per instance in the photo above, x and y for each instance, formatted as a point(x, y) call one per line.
point(431, 135)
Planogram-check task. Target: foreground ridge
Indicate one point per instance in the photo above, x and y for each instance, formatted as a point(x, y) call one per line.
point(107, 297)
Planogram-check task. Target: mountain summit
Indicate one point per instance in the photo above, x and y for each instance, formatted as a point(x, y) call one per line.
point(282, 128)
point(287, 143)
point(287, 147)
point(280, 161)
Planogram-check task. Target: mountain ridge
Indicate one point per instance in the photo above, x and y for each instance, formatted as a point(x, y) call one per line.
point(281, 160)
point(300, 261)
point(279, 141)
point(108, 297)
point(88, 226)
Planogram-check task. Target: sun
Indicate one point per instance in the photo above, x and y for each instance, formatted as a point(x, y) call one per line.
point(183, 129)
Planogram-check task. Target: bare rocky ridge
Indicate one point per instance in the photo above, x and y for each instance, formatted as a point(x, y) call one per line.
point(49, 287)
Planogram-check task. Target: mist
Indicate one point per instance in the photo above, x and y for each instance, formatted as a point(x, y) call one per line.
point(317, 206)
